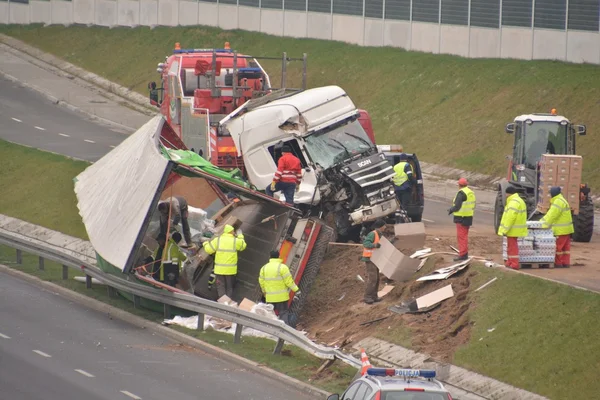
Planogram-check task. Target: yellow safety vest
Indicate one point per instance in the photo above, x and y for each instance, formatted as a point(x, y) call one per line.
point(225, 248)
point(467, 208)
point(514, 218)
point(559, 216)
point(174, 256)
point(276, 281)
point(400, 176)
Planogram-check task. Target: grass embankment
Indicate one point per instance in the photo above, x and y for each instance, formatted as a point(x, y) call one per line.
point(448, 109)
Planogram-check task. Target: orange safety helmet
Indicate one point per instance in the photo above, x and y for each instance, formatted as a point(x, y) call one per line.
point(463, 182)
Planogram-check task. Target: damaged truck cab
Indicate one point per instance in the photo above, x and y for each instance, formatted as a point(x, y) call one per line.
point(344, 175)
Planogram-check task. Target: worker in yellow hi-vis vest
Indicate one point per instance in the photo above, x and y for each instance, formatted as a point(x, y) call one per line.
point(225, 248)
point(463, 209)
point(276, 281)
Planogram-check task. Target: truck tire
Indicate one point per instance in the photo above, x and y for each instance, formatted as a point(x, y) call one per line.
point(498, 211)
point(584, 222)
point(311, 270)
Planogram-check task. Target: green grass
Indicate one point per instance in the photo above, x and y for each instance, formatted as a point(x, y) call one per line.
point(37, 186)
point(449, 110)
point(294, 362)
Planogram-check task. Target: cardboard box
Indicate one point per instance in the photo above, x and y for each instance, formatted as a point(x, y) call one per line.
point(409, 236)
point(393, 263)
point(562, 180)
point(549, 159)
point(576, 164)
point(572, 188)
point(548, 177)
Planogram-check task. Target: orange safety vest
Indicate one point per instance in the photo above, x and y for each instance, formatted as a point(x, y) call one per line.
point(369, 252)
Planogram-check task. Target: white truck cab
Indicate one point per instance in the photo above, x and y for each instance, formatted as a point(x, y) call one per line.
point(343, 170)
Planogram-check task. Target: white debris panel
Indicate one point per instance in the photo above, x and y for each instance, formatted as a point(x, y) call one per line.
point(114, 195)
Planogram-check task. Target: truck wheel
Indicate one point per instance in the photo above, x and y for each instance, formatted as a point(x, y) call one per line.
point(312, 269)
point(584, 222)
point(498, 211)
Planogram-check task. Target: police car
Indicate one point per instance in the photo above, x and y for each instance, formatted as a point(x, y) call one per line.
point(395, 384)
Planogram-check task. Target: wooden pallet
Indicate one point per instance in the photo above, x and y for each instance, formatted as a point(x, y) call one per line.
point(536, 265)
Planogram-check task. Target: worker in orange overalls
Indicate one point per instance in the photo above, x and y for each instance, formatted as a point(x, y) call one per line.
point(371, 243)
point(287, 177)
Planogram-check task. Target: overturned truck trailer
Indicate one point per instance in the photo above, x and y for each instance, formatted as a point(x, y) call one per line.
point(118, 197)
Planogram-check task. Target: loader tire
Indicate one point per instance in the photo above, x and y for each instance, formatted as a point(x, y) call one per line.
point(584, 222)
point(311, 270)
point(498, 211)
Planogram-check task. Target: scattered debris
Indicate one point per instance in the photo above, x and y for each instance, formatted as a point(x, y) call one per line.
point(420, 253)
point(392, 263)
point(411, 235)
point(485, 284)
point(247, 305)
point(373, 321)
point(491, 329)
point(386, 289)
point(455, 249)
point(423, 261)
point(435, 297)
point(342, 296)
point(399, 309)
point(445, 273)
point(359, 278)
point(345, 244)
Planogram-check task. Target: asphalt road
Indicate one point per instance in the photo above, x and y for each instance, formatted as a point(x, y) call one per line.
point(27, 117)
point(53, 349)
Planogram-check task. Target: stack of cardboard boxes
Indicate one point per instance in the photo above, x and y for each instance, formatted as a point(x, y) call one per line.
point(539, 246)
point(560, 170)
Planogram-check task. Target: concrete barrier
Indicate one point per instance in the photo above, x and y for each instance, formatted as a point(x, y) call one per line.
point(128, 12)
point(62, 12)
point(84, 11)
point(40, 12)
point(148, 12)
point(484, 43)
point(106, 13)
point(549, 44)
point(18, 13)
point(188, 12)
point(374, 29)
point(168, 12)
point(396, 34)
point(249, 18)
point(208, 14)
point(583, 47)
point(516, 43)
point(228, 16)
point(454, 39)
point(295, 24)
point(320, 25)
point(425, 37)
point(271, 22)
point(347, 28)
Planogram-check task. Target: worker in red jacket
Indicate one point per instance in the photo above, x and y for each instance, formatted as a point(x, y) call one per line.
point(288, 176)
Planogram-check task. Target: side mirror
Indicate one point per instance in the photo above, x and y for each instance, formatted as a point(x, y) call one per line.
point(510, 128)
point(581, 130)
point(334, 397)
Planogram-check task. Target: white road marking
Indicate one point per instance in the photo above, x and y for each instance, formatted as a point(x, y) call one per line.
point(41, 353)
point(65, 135)
point(112, 146)
point(4, 336)
point(85, 373)
point(89, 141)
point(133, 396)
point(40, 128)
point(427, 220)
point(16, 119)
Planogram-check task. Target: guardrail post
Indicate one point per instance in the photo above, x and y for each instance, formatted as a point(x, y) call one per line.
point(65, 274)
point(167, 311)
point(112, 293)
point(41, 263)
point(237, 338)
point(19, 257)
point(200, 325)
point(278, 346)
point(136, 301)
point(88, 282)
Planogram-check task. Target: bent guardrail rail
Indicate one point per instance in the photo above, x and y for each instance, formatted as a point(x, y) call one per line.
point(80, 261)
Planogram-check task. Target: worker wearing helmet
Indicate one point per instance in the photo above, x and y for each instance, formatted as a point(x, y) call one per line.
point(287, 177)
point(560, 218)
point(403, 180)
point(225, 248)
point(370, 244)
point(276, 281)
point(513, 225)
point(463, 208)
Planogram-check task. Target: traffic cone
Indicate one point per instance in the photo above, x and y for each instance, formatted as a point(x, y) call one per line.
point(365, 362)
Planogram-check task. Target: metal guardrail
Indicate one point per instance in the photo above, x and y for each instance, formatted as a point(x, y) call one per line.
point(79, 261)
